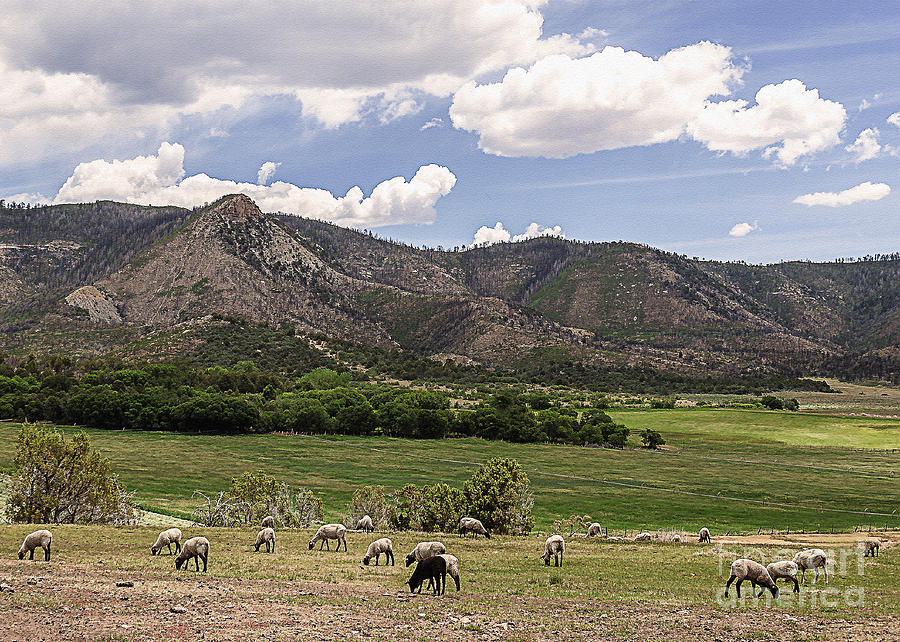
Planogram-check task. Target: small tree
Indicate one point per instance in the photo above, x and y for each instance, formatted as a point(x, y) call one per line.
point(61, 481)
point(652, 439)
point(254, 495)
point(772, 403)
point(499, 494)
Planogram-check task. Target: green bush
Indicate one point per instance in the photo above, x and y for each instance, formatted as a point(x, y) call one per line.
point(772, 403)
point(499, 495)
point(254, 495)
point(652, 439)
point(60, 481)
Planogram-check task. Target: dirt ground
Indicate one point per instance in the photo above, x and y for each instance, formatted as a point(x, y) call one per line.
point(70, 602)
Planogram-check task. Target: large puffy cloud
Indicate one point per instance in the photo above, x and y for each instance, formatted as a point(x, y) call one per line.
point(563, 106)
point(159, 180)
point(867, 191)
point(72, 72)
point(498, 234)
point(788, 120)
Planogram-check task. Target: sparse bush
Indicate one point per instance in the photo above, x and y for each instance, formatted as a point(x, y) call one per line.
point(371, 501)
point(254, 495)
point(571, 525)
point(61, 481)
point(772, 403)
point(667, 402)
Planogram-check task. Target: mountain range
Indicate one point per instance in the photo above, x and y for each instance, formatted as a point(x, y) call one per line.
point(91, 278)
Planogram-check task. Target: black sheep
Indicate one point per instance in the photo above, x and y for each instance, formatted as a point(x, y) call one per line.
point(435, 569)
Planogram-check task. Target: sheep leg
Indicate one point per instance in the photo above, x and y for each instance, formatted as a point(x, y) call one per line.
point(796, 586)
point(204, 563)
point(456, 579)
point(31, 557)
point(177, 547)
point(343, 539)
point(170, 547)
point(377, 555)
point(47, 553)
point(390, 554)
point(816, 578)
point(825, 570)
point(730, 580)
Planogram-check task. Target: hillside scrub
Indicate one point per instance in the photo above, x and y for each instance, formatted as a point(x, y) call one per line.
point(64, 481)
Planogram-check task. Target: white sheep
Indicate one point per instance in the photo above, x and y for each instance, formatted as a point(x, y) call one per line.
point(642, 537)
point(424, 551)
point(704, 536)
point(376, 548)
point(41, 538)
point(365, 524)
point(452, 568)
point(785, 569)
point(872, 547)
point(555, 546)
point(812, 558)
point(594, 530)
point(167, 538)
point(676, 538)
point(268, 522)
point(744, 569)
point(196, 548)
point(474, 526)
point(327, 532)
point(265, 536)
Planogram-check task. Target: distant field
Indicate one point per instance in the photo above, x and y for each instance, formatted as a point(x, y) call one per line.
point(730, 470)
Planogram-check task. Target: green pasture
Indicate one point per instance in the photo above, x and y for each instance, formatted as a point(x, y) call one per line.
point(730, 470)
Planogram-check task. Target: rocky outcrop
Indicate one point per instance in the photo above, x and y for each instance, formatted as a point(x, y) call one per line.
point(98, 306)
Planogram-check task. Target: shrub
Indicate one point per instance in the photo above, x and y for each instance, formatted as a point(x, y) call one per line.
point(61, 481)
point(615, 435)
point(668, 402)
point(652, 439)
point(572, 525)
point(254, 495)
point(772, 403)
point(371, 501)
point(499, 495)
point(792, 404)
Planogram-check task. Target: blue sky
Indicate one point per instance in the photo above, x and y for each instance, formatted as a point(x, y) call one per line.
point(597, 120)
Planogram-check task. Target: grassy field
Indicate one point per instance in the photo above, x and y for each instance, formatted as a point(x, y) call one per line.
point(625, 590)
point(730, 470)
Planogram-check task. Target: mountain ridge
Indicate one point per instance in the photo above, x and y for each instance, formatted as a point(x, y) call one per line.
point(544, 299)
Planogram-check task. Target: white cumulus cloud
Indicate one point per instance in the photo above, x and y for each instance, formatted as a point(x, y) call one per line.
point(788, 119)
point(266, 172)
point(160, 180)
point(563, 106)
point(867, 191)
point(498, 234)
point(894, 119)
point(866, 146)
point(743, 229)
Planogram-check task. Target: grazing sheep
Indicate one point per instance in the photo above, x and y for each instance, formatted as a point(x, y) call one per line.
point(196, 548)
point(327, 532)
point(265, 536)
point(786, 569)
point(424, 551)
point(472, 525)
point(704, 536)
point(167, 538)
point(365, 524)
point(744, 569)
point(594, 530)
point(268, 522)
point(452, 568)
point(813, 558)
point(642, 537)
point(435, 569)
point(376, 548)
point(872, 547)
point(555, 546)
point(676, 538)
point(40, 538)
point(615, 538)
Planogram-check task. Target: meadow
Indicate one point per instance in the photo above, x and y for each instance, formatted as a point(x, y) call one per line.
point(626, 590)
point(734, 471)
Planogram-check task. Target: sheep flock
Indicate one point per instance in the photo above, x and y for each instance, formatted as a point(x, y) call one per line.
point(434, 563)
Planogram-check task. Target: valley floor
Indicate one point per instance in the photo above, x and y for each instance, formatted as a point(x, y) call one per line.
point(606, 590)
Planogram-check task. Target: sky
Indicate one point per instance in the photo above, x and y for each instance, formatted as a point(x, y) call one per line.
point(756, 131)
